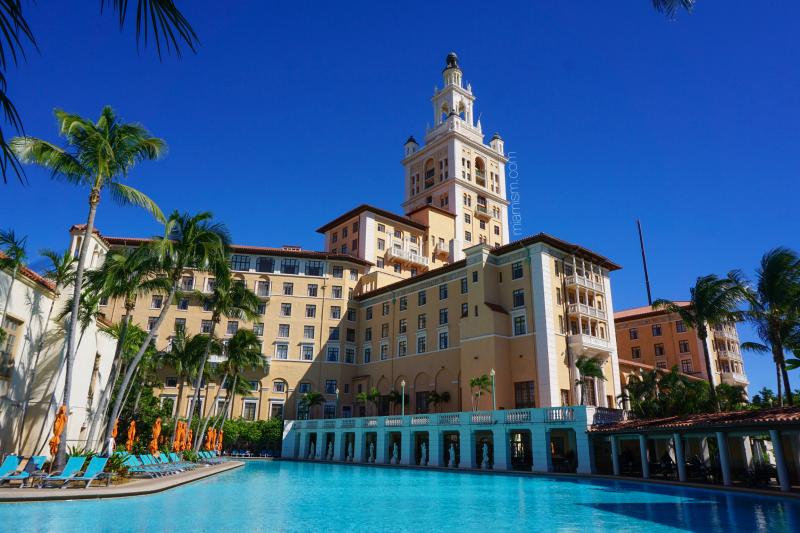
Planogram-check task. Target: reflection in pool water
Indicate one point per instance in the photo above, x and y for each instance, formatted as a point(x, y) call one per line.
point(290, 496)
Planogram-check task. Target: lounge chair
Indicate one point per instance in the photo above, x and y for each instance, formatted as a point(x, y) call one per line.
point(137, 467)
point(207, 458)
point(10, 465)
point(178, 462)
point(92, 472)
point(34, 464)
point(263, 453)
point(71, 470)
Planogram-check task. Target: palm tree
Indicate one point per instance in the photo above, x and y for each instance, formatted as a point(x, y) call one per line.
point(311, 400)
point(171, 22)
point(88, 312)
point(238, 386)
point(188, 242)
point(228, 298)
point(395, 397)
point(483, 384)
point(765, 348)
point(437, 399)
point(125, 274)
point(60, 272)
point(13, 258)
point(714, 301)
point(670, 7)
point(731, 397)
point(373, 397)
point(588, 367)
point(775, 304)
point(98, 155)
point(243, 349)
point(184, 355)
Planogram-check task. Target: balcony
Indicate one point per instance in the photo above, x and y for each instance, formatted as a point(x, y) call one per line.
point(582, 309)
point(404, 256)
point(582, 281)
point(442, 249)
point(734, 378)
point(186, 287)
point(725, 334)
point(264, 292)
point(429, 183)
point(730, 354)
point(480, 178)
point(482, 212)
point(590, 344)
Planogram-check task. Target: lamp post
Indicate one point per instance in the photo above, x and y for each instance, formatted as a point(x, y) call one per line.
point(403, 399)
point(494, 401)
point(336, 413)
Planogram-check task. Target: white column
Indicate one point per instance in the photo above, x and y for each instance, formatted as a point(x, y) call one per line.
point(544, 318)
point(360, 453)
point(724, 458)
point(680, 458)
point(406, 448)
point(780, 460)
point(615, 453)
point(466, 444)
point(747, 452)
point(540, 446)
point(645, 458)
point(435, 449)
point(502, 448)
point(381, 446)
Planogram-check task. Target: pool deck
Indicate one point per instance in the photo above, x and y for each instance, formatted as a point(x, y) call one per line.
point(138, 487)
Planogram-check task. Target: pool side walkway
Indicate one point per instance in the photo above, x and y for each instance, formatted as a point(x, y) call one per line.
point(139, 487)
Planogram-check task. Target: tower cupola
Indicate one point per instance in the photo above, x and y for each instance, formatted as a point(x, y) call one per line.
point(411, 146)
point(452, 74)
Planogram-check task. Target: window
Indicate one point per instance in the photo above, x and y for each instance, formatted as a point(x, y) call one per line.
point(421, 322)
point(344, 232)
point(183, 303)
point(249, 410)
point(262, 308)
point(368, 334)
point(156, 302)
point(258, 329)
point(333, 354)
point(519, 325)
point(351, 314)
point(353, 274)
point(233, 327)
point(288, 289)
point(307, 353)
point(398, 268)
point(464, 310)
point(403, 326)
point(205, 327)
point(355, 245)
point(524, 395)
point(401, 349)
point(421, 344)
point(659, 349)
point(369, 313)
point(265, 264)
point(281, 351)
point(338, 272)
point(289, 266)
point(421, 299)
point(519, 298)
point(104, 301)
point(558, 297)
point(349, 357)
point(483, 224)
point(381, 228)
point(636, 352)
point(560, 324)
point(283, 330)
point(335, 236)
point(464, 286)
point(443, 340)
point(308, 332)
point(381, 244)
point(398, 234)
point(333, 333)
point(564, 398)
point(468, 236)
point(686, 366)
point(516, 271)
point(311, 311)
point(497, 232)
point(680, 326)
point(304, 388)
point(656, 330)
point(384, 330)
point(634, 334)
point(367, 355)
point(355, 227)
point(467, 218)
point(385, 309)
point(286, 309)
point(171, 383)
point(443, 292)
point(380, 262)
point(476, 310)
point(475, 277)
point(279, 386)
point(403, 303)
point(661, 365)
point(313, 268)
point(384, 352)
point(351, 335)
point(336, 312)
point(683, 346)
point(336, 291)
point(443, 316)
point(422, 402)
point(240, 262)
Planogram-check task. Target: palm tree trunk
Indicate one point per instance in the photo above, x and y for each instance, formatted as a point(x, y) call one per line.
point(102, 406)
point(33, 373)
point(712, 393)
point(94, 199)
point(139, 395)
point(8, 297)
point(125, 397)
point(216, 399)
point(139, 355)
point(780, 392)
point(196, 397)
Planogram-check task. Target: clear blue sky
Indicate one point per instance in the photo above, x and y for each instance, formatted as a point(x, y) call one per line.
point(289, 115)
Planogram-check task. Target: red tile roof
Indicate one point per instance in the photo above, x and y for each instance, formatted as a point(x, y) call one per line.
point(642, 311)
point(751, 417)
point(38, 278)
point(496, 308)
point(378, 211)
point(628, 362)
point(82, 227)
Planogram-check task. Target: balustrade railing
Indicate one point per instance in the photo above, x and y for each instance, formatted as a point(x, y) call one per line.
point(349, 423)
point(516, 417)
point(311, 424)
point(329, 424)
point(481, 418)
point(369, 422)
point(560, 414)
point(420, 420)
point(587, 310)
point(393, 421)
point(449, 419)
point(584, 282)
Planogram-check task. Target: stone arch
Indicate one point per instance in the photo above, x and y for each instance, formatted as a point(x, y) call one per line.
point(383, 386)
point(444, 383)
point(422, 383)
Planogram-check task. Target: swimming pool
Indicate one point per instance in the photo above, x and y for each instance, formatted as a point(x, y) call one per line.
point(312, 497)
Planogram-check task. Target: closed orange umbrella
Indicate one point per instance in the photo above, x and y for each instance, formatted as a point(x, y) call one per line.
point(114, 433)
point(156, 432)
point(177, 446)
point(131, 435)
point(209, 439)
point(219, 440)
point(213, 441)
point(188, 443)
point(58, 427)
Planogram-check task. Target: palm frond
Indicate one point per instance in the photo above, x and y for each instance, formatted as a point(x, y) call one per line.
point(125, 196)
point(166, 21)
point(670, 7)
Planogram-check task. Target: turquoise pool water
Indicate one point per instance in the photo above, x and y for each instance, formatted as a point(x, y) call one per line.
point(289, 496)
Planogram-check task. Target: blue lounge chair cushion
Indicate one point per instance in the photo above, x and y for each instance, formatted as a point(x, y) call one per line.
point(9, 466)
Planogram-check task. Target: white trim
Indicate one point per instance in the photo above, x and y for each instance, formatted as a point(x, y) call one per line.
point(547, 358)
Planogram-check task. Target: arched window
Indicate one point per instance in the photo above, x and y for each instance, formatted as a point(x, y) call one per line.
point(480, 172)
point(430, 172)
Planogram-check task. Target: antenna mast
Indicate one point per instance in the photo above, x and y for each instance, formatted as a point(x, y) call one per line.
point(644, 261)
